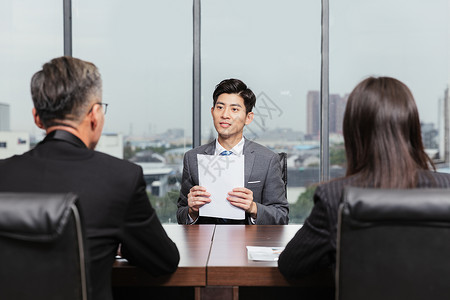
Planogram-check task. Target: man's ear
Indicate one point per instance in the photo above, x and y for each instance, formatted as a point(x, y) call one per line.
point(93, 116)
point(212, 109)
point(37, 119)
point(249, 118)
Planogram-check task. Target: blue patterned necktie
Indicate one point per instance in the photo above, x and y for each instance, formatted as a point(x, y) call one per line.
point(225, 153)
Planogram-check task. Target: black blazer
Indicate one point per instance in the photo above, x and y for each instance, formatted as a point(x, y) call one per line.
point(314, 246)
point(113, 201)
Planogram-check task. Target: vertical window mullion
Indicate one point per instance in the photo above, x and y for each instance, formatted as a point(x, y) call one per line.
point(324, 96)
point(67, 27)
point(196, 111)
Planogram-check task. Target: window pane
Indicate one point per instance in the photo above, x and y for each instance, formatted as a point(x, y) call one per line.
point(31, 33)
point(144, 52)
point(274, 47)
point(408, 41)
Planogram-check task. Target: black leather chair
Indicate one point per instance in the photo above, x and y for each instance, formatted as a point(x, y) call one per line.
point(283, 162)
point(41, 247)
point(393, 244)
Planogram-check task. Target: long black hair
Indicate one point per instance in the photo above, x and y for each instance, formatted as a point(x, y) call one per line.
point(382, 135)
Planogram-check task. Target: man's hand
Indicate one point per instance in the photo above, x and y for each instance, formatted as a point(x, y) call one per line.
point(197, 197)
point(243, 198)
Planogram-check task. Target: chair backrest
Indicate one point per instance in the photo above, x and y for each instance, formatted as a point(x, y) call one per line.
point(283, 162)
point(393, 244)
point(42, 250)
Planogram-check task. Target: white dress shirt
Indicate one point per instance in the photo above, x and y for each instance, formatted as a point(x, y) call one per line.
point(236, 150)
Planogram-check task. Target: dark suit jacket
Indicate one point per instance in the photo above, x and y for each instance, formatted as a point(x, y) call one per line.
point(113, 201)
point(314, 245)
point(262, 175)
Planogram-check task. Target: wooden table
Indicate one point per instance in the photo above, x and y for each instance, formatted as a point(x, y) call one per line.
point(228, 264)
point(213, 260)
point(194, 244)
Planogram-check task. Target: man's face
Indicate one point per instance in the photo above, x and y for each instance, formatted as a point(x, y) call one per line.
point(229, 116)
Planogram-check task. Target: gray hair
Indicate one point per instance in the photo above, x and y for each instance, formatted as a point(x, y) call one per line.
point(62, 90)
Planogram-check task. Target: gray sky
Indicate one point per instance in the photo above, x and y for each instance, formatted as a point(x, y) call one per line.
point(407, 40)
point(144, 52)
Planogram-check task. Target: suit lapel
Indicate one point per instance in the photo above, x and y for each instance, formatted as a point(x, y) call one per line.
point(249, 158)
point(210, 148)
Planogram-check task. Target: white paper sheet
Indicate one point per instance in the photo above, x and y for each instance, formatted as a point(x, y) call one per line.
point(219, 175)
point(264, 253)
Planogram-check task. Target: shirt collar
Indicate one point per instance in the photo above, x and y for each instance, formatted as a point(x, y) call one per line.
point(64, 136)
point(238, 149)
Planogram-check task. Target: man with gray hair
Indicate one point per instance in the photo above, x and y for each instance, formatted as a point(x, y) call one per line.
point(67, 97)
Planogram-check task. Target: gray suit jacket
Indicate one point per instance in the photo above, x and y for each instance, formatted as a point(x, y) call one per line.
point(262, 175)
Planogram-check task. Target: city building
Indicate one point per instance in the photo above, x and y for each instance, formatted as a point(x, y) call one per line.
point(112, 144)
point(429, 135)
point(13, 143)
point(4, 117)
point(336, 111)
point(312, 113)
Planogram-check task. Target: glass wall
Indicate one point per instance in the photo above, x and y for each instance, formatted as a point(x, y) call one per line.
point(408, 41)
point(274, 47)
point(144, 52)
point(31, 33)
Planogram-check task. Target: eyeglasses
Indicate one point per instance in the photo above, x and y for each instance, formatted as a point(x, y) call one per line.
point(104, 106)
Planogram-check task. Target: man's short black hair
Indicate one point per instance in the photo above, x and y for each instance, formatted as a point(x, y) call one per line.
point(235, 86)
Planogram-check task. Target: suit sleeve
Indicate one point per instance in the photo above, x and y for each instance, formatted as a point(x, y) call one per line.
point(144, 241)
point(311, 248)
point(186, 184)
point(274, 208)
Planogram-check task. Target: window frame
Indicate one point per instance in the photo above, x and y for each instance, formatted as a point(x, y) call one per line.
point(196, 63)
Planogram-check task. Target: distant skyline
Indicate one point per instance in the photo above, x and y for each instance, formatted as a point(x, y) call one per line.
point(144, 52)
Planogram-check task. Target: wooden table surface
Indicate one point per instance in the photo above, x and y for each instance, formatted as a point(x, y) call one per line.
point(228, 263)
point(193, 242)
point(216, 255)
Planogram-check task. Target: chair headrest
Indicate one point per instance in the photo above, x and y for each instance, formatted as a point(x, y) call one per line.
point(409, 205)
point(34, 216)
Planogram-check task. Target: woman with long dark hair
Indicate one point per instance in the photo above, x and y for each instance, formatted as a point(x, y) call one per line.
point(384, 149)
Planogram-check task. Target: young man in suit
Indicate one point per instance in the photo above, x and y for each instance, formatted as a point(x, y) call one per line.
point(67, 96)
point(263, 197)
